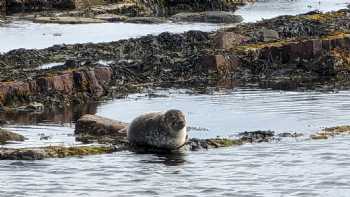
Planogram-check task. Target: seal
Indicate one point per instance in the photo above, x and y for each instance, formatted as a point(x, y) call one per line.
point(164, 130)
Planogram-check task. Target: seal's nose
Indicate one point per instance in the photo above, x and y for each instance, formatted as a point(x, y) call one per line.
point(181, 124)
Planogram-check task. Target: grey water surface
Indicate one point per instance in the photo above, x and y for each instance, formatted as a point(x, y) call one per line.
point(25, 34)
point(288, 168)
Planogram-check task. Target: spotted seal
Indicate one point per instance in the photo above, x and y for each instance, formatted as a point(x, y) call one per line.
point(164, 130)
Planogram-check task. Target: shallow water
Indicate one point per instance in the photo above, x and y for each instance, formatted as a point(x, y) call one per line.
point(287, 168)
point(24, 34)
point(266, 9)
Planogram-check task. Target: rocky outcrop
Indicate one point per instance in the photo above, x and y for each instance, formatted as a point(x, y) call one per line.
point(37, 5)
point(207, 17)
point(6, 136)
point(280, 53)
point(88, 83)
point(100, 126)
point(171, 7)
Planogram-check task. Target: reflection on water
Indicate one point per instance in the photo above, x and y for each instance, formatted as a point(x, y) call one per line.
point(286, 168)
point(225, 112)
point(266, 9)
point(220, 112)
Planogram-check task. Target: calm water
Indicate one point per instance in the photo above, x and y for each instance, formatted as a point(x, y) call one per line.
point(24, 34)
point(265, 9)
point(287, 168)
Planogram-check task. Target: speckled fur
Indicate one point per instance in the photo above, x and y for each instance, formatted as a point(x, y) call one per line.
point(165, 130)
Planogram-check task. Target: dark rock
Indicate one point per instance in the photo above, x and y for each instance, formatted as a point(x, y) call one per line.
point(207, 17)
point(228, 40)
point(145, 20)
point(256, 136)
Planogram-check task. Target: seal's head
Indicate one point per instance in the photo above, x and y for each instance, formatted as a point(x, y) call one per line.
point(175, 119)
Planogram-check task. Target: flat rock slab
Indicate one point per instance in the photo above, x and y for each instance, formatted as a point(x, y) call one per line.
point(207, 17)
point(67, 20)
point(111, 17)
point(6, 136)
point(145, 20)
point(100, 126)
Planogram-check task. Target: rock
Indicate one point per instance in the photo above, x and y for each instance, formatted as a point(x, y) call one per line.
point(223, 65)
point(269, 35)
point(32, 107)
point(111, 17)
point(14, 6)
point(207, 17)
point(54, 152)
point(6, 136)
point(99, 126)
point(145, 20)
point(257, 136)
point(228, 40)
point(67, 20)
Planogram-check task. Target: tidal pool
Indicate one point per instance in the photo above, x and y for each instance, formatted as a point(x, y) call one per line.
point(286, 168)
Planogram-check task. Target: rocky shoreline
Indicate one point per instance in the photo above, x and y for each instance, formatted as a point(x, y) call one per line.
point(130, 11)
point(287, 52)
point(111, 137)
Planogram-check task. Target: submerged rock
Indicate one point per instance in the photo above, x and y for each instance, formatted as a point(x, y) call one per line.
point(207, 17)
point(6, 136)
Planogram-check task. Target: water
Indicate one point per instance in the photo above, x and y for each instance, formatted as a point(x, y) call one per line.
point(287, 168)
point(266, 9)
point(25, 34)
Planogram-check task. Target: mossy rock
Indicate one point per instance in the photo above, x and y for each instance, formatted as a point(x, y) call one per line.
point(6, 136)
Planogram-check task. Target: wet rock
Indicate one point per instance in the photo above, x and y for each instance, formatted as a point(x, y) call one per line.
point(224, 65)
point(54, 152)
point(228, 40)
point(167, 8)
point(14, 6)
point(269, 35)
point(67, 20)
point(207, 17)
point(6, 136)
point(288, 134)
point(256, 136)
point(111, 17)
point(31, 107)
point(331, 132)
point(145, 20)
point(99, 126)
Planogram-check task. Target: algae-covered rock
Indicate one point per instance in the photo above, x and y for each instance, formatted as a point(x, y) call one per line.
point(6, 136)
point(207, 17)
point(331, 132)
point(145, 20)
point(53, 152)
